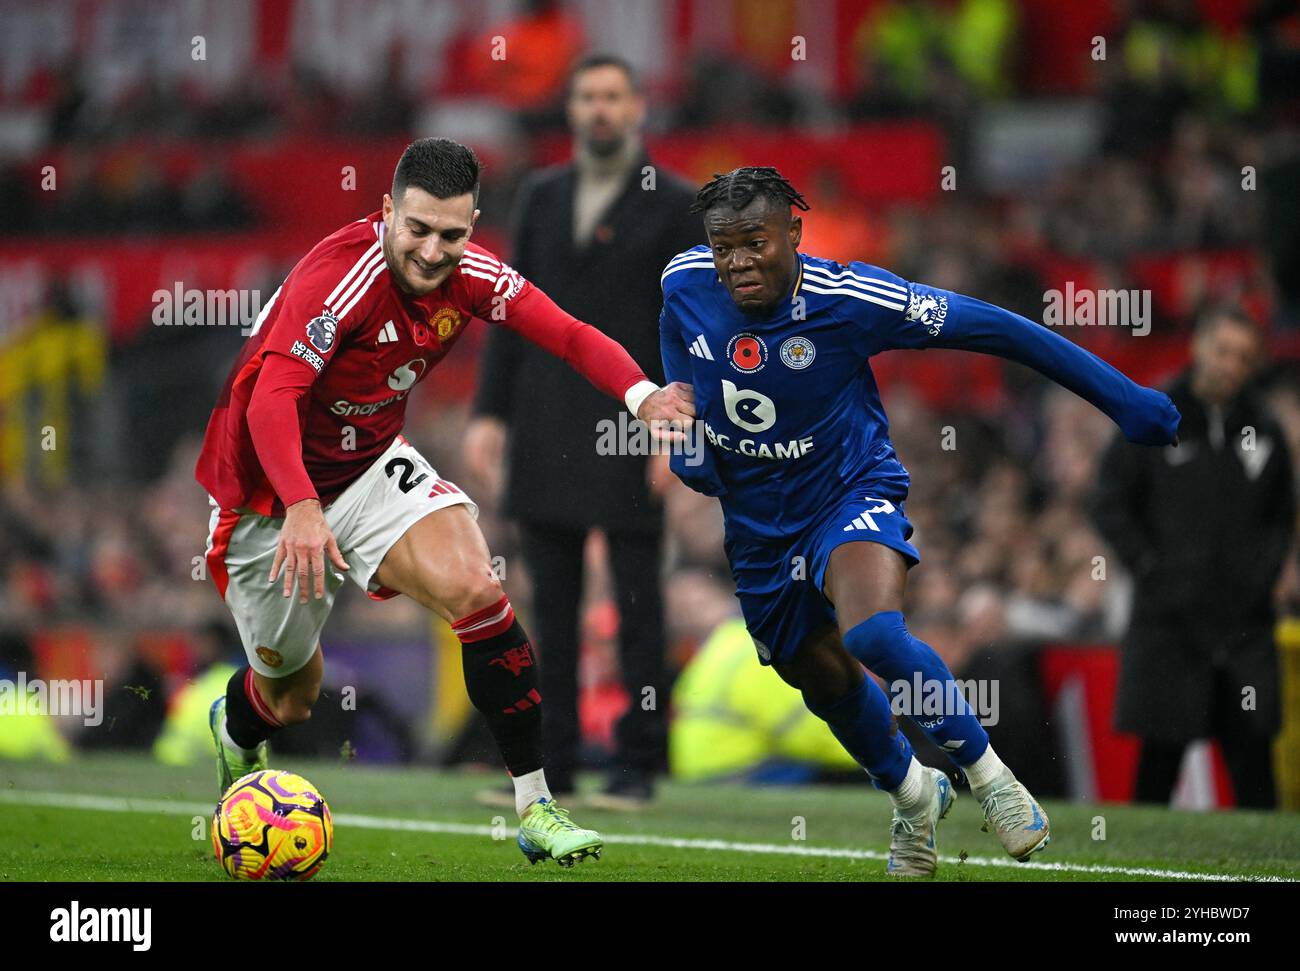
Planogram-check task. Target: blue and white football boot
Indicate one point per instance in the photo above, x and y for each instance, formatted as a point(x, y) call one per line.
point(912, 852)
point(1015, 816)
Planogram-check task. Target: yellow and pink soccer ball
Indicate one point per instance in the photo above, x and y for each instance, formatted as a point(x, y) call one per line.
point(272, 825)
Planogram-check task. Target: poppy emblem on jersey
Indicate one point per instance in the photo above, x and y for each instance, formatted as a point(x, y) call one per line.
point(321, 331)
point(797, 353)
point(747, 353)
point(445, 323)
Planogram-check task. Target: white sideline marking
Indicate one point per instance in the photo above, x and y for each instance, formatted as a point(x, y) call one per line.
point(119, 804)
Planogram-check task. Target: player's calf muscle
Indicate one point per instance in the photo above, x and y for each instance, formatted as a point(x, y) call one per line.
point(293, 707)
point(291, 698)
point(830, 684)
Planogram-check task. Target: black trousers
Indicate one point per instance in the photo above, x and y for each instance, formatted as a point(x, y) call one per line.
point(1248, 754)
point(554, 556)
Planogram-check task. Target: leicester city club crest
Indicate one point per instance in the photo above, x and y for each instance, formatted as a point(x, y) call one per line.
point(797, 353)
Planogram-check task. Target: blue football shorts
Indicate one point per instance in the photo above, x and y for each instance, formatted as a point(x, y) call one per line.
point(779, 584)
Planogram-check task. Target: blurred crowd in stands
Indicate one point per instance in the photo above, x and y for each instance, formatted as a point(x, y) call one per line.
point(1008, 554)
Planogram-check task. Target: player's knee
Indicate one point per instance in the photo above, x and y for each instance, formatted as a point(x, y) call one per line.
point(470, 591)
point(878, 638)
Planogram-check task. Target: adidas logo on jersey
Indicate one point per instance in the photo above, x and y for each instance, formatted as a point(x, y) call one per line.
point(701, 349)
point(862, 522)
point(387, 333)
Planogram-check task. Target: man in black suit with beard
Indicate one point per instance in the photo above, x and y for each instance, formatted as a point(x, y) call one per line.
point(1205, 528)
point(595, 234)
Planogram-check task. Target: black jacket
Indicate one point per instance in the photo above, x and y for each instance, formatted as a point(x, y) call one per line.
point(1205, 533)
point(555, 475)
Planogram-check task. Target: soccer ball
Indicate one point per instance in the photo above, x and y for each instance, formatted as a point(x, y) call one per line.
point(272, 825)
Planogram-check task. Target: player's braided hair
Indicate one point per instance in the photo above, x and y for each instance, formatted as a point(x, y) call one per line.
point(739, 187)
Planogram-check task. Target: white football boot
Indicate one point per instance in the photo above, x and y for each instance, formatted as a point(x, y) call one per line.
point(912, 852)
point(1015, 816)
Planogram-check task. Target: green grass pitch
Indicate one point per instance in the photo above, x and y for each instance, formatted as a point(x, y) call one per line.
point(124, 817)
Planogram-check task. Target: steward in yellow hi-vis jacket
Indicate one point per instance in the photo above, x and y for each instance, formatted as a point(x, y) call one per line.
point(185, 738)
point(732, 717)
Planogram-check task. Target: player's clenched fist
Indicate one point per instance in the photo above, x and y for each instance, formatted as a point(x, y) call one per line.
point(1153, 420)
point(304, 538)
point(669, 410)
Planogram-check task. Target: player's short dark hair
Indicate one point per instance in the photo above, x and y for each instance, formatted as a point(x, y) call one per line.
point(593, 61)
point(1214, 314)
point(739, 187)
point(441, 167)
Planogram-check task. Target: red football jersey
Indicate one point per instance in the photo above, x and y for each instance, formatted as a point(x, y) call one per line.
point(367, 343)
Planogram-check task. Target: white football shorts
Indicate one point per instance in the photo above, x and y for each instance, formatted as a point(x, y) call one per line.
point(279, 633)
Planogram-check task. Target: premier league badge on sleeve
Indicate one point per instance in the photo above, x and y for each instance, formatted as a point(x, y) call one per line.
point(321, 331)
point(930, 310)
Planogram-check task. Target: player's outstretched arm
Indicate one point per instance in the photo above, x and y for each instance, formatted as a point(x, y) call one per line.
point(523, 308)
point(1144, 415)
point(597, 357)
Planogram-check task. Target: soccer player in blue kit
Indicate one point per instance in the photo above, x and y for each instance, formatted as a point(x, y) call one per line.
point(776, 347)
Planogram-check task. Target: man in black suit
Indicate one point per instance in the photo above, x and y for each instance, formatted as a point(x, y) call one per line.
point(595, 234)
point(1205, 529)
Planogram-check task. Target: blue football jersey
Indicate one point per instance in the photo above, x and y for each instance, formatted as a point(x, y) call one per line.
point(789, 406)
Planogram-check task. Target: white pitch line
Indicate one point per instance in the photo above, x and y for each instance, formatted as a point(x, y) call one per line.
point(118, 804)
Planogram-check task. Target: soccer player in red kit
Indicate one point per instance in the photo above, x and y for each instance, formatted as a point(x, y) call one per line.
point(311, 480)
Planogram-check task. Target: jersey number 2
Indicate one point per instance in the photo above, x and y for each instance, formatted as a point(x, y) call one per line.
point(405, 483)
